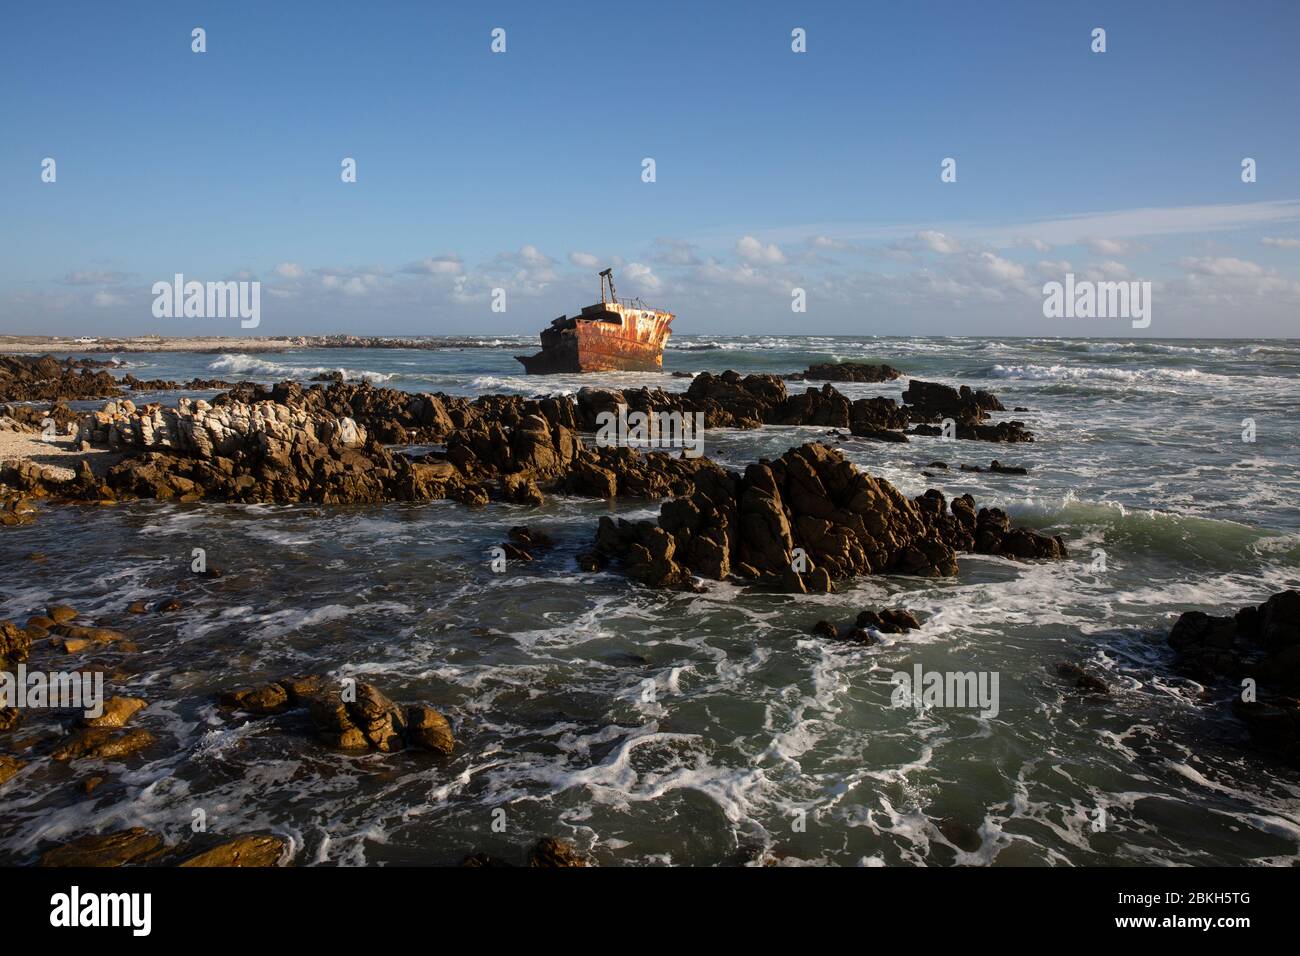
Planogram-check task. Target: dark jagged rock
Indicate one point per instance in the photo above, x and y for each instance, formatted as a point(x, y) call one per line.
point(997, 468)
point(931, 402)
point(166, 385)
point(15, 645)
point(1274, 725)
point(846, 372)
point(363, 720)
point(1259, 644)
point(258, 849)
point(9, 767)
point(844, 521)
point(524, 542)
point(552, 852)
point(1081, 679)
point(28, 378)
point(126, 847)
point(889, 620)
point(102, 743)
point(867, 624)
point(34, 416)
point(287, 443)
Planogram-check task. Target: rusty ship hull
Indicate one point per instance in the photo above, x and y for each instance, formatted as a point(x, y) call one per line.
point(605, 337)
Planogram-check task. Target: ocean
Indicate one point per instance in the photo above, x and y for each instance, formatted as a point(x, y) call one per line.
point(657, 728)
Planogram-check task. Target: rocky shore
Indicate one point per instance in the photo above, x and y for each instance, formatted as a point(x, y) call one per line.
point(804, 521)
point(798, 523)
point(1253, 656)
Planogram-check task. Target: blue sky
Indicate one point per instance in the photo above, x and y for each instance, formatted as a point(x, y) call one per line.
point(774, 170)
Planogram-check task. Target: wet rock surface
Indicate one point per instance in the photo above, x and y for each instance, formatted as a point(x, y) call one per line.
point(252, 850)
point(348, 716)
point(131, 847)
point(929, 403)
point(846, 372)
point(330, 443)
point(843, 521)
point(866, 627)
point(552, 852)
point(138, 846)
point(1258, 649)
point(27, 378)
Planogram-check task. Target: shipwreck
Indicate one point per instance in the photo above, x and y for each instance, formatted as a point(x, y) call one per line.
point(613, 335)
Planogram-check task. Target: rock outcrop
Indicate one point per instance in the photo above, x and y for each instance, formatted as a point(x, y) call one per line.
point(323, 444)
point(259, 849)
point(15, 645)
point(868, 625)
point(931, 402)
point(805, 520)
point(846, 372)
point(29, 378)
point(362, 718)
point(1260, 644)
point(126, 847)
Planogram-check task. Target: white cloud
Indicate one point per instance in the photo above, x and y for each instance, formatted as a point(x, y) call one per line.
point(1281, 242)
point(1107, 271)
point(830, 244)
point(1054, 270)
point(437, 266)
point(674, 252)
point(939, 242)
point(1038, 245)
point(1226, 266)
point(642, 277)
point(289, 270)
point(1109, 247)
point(584, 260)
point(1003, 270)
point(106, 299)
point(751, 250)
point(1070, 229)
point(90, 277)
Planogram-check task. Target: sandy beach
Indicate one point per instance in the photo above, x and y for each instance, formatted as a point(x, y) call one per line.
point(60, 454)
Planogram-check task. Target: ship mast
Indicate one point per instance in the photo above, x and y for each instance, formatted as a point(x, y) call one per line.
point(607, 276)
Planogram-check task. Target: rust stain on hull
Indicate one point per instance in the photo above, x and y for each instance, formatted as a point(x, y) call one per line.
point(610, 336)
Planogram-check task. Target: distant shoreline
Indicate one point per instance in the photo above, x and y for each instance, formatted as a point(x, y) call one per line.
point(247, 344)
point(14, 344)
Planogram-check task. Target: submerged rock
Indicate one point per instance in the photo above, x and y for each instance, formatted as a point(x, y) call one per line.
point(1080, 679)
point(889, 620)
point(126, 847)
point(1260, 642)
point(846, 372)
point(9, 766)
point(961, 835)
point(102, 743)
point(60, 613)
point(552, 852)
point(117, 711)
point(363, 718)
point(254, 850)
point(427, 728)
point(15, 645)
point(1258, 647)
